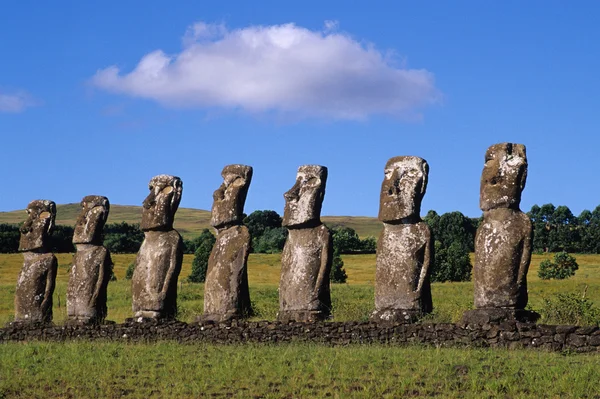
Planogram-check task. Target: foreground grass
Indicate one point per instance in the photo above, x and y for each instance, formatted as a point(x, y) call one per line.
point(112, 370)
point(351, 301)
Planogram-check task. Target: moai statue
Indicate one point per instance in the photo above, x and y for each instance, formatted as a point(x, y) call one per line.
point(35, 286)
point(503, 241)
point(158, 263)
point(304, 293)
point(405, 246)
point(226, 294)
point(92, 265)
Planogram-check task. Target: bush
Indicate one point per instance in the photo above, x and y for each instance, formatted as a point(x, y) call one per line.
point(129, 271)
point(206, 241)
point(337, 274)
point(564, 266)
point(451, 264)
point(570, 308)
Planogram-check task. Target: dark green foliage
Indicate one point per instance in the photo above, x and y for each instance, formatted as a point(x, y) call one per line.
point(61, 240)
point(271, 241)
point(129, 271)
point(454, 236)
point(451, 263)
point(564, 266)
point(337, 274)
point(9, 238)
point(258, 221)
point(347, 241)
point(123, 238)
point(571, 309)
point(206, 241)
point(265, 229)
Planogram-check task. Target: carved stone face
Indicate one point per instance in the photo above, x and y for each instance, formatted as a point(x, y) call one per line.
point(159, 207)
point(91, 220)
point(230, 197)
point(403, 188)
point(38, 226)
point(503, 177)
point(303, 201)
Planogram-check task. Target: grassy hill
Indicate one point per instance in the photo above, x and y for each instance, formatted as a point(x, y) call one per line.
point(188, 221)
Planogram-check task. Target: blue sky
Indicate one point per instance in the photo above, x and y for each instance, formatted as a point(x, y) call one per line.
point(96, 98)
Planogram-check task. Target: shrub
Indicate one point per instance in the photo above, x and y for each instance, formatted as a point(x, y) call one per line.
point(200, 262)
point(570, 308)
point(129, 271)
point(564, 266)
point(451, 264)
point(337, 274)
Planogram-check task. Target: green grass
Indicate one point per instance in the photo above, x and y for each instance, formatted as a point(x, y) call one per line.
point(189, 222)
point(114, 370)
point(166, 369)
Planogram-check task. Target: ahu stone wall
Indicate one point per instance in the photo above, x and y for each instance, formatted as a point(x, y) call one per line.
point(511, 335)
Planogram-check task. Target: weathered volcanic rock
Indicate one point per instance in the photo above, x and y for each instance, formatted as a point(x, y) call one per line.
point(35, 285)
point(405, 246)
point(226, 293)
point(504, 238)
point(157, 266)
point(92, 264)
point(304, 292)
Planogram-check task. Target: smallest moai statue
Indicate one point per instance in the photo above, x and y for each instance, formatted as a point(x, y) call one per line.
point(226, 293)
point(158, 263)
point(92, 265)
point(35, 286)
point(405, 246)
point(503, 241)
point(304, 292)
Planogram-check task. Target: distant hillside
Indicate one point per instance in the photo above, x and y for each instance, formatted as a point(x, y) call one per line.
point(188, 221)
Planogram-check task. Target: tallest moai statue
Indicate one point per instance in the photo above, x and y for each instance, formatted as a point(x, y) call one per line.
point(503, 241)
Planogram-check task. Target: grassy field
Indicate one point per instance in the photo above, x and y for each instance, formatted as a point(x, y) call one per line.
point(114, 370)
point(189, 222)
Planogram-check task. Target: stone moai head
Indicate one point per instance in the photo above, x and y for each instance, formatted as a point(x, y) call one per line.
point(91, 220)
point(403, 188)
point(230, 197)
point(503, 177)
point(159, 207)
point(38, 226)
point(303, 201)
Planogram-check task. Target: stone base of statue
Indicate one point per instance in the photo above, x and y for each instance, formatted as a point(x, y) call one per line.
point(29, 324)
point(87, 322)
point(499, 315)
point(306, 316)
point(402, 316)
point(148, 317)
point(221, 318)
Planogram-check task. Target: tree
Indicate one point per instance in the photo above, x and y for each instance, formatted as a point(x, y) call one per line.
point(258, 221)
point(61, 240)
point(123, 238)
point(542, 219)
point(9, 238)
point(564, 235)
point(345, 240)
point(564, 266)
point(337, 274)
point(271, 241)
point(200, 262)
point(451, 263)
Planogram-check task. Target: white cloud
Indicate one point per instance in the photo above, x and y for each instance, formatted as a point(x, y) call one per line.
point(15, 102)
point(281, 68)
